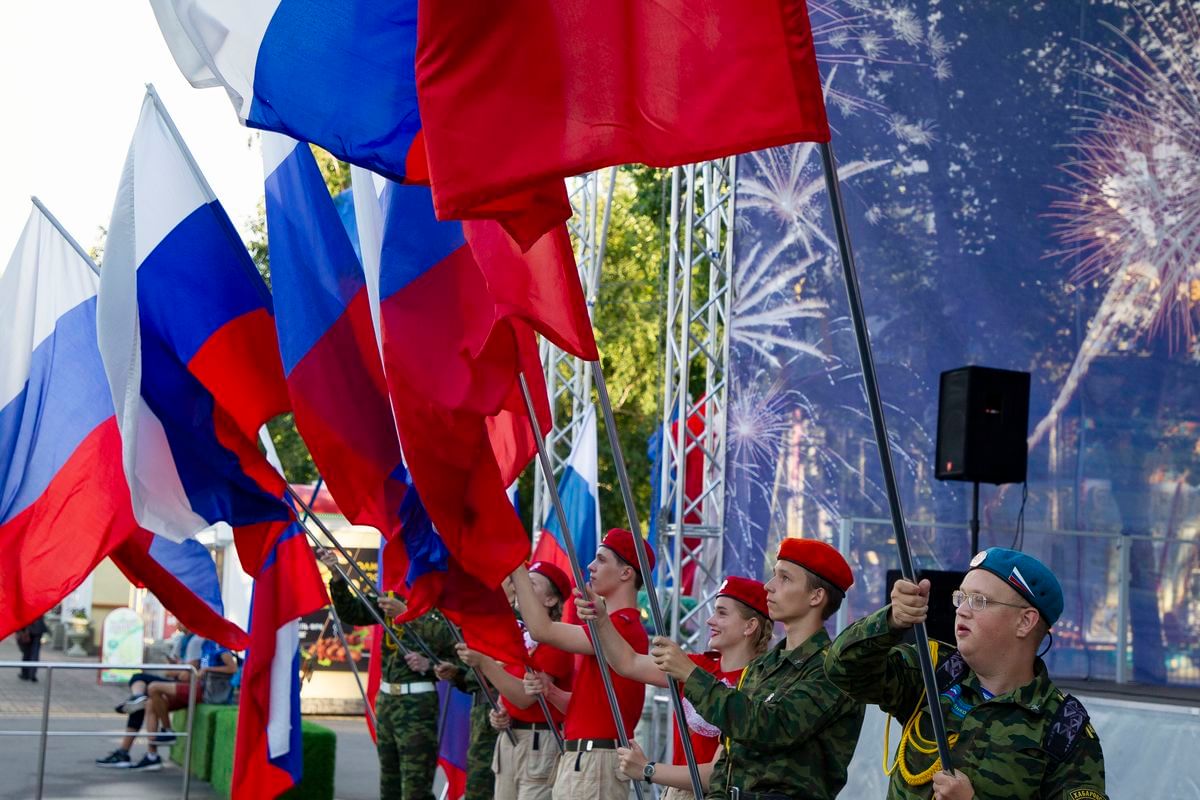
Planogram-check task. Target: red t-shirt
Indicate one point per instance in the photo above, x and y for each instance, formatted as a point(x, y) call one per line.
point(550, 660)
point(588, 715)
point(705, 736)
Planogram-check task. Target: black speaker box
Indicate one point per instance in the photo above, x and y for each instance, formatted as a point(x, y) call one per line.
point(942, 583)
point(983, 420)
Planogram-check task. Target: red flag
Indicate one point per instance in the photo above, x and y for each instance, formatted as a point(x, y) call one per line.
point(514, 94)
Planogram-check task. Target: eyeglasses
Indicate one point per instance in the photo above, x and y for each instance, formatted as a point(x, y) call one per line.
point(978, 602)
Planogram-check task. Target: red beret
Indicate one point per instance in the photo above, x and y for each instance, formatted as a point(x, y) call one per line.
point(620, 541)
point(818, 558)
point(745, 590)
point(555, 575)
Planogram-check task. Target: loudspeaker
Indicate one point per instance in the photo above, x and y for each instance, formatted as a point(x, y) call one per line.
point(942, 583)
point(983, 420)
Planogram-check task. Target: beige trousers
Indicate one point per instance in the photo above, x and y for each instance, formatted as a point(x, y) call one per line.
point(590, 776)
point(525, 771)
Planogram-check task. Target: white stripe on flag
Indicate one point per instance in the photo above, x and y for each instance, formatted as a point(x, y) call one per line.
point(283, 673)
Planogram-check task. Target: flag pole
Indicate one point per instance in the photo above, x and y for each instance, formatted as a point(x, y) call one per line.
point(545, 707)
point(341, 634)
point(871, 387)
point(53, 220)
point(610, 425)
point(484, 686)
point(576, 570)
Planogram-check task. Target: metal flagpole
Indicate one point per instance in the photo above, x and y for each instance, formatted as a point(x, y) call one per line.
point(545, 707)
point(484, 686)
point(656, 614)
point(577, 571)
point(341, 634)
point(871, 386)
point(363, 576)
point(63, 232)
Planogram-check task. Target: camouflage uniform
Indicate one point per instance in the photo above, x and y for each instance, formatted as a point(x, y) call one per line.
point(406, 732)
point(787, 730)
point(1006, 744)
point(481, 781)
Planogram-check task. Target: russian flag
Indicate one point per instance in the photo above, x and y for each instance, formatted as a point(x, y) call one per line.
point(338, 74)
point(63, 501)
point(188, 341)
point(454, 738)
point(183, 576)
point(268, 759)
point(579, 489)
point(327, 339)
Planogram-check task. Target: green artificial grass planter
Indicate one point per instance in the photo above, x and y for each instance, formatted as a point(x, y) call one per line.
point(320, 751)
point(203, 734)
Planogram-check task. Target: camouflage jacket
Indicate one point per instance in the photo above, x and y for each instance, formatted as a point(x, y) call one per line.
point(431, 627)
point(1002, 746)
point(786, 730)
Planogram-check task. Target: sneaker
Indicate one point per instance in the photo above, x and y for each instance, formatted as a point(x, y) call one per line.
point(117, 759)
point(166, 736)
point(149, 763)
point(134, 703)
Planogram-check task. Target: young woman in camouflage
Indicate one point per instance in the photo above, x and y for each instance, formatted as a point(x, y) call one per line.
point(789, 732)
point(1012, 733)
point(740, 631)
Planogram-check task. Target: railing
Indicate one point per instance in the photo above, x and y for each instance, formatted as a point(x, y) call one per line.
point(45, 731)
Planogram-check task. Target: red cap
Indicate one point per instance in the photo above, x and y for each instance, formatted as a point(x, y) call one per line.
point(555, 575)
point(620, 541)
point(818, 558)
point(745, 590)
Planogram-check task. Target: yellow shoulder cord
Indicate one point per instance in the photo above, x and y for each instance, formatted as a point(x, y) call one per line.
point(728, 740)
point(912, 735)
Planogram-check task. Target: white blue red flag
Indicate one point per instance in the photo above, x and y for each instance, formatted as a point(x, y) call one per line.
point(188, 341)
point(454, 738)
point(578, 486)
point(63, 501)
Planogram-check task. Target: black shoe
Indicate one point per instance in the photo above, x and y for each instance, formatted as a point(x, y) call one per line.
point(33, 678)
point(166, 736)
point(117, 759)
point(135, 702)
point(22, 676)
point(151, 762)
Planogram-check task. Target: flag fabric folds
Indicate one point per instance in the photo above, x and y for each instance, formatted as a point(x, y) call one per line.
point(516, 94)
point(578, 487)
point(63, 500)
point(327, 339)
point(186, 333)
point(454, 738)
point(338, 74)
point(268, 759)
point(183, 576)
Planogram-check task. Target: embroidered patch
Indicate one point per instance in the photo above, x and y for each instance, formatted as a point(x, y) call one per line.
point(1017, 579)
point(1084, 794)
point(979, 557)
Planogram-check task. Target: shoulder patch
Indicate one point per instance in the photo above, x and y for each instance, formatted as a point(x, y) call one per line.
point(951, 671)
point(1062, 734)
point(1084, 794)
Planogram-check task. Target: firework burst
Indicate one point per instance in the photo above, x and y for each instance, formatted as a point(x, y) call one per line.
point(1134, 198)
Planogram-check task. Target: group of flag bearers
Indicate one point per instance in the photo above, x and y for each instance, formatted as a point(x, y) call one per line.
point(765, 723)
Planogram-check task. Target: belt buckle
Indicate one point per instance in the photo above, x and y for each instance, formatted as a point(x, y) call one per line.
point(735, 793)
point(588, 746)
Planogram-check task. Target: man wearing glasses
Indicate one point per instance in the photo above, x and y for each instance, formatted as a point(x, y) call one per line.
point(1012, 733)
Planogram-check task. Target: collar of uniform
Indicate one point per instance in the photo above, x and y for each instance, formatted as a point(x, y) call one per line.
point(806, 650)
point(1033, 696)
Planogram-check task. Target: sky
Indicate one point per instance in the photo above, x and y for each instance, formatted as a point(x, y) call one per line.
point(72, 77)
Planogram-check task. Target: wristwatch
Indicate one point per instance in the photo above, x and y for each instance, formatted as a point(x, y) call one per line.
point(648, 772)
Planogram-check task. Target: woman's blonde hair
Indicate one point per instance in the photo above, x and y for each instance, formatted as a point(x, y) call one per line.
point(766, 628)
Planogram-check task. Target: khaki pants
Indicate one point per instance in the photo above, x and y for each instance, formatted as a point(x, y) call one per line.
point(590, 776)
point(673, 793)
point(525, 771)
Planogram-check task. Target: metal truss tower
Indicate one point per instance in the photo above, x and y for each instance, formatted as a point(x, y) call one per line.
point(569, 379)
point(695, 388)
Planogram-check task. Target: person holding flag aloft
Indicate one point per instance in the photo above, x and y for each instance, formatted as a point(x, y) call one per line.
point(1011, 731)
point(589, 767)
point(740, 631)
point(788, 731)
point(524, 769)
point(406, 710)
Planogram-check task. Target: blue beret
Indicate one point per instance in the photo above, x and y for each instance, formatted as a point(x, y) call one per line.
point(1032, 579)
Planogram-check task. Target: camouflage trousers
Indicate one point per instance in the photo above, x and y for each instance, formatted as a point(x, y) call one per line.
point(481, 781)
point(407, 740)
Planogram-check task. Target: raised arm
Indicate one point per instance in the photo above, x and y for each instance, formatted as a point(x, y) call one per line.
point(623, 659)
point(570, 638)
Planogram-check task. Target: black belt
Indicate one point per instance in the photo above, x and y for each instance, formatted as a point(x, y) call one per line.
point(735, 793)
point(586, 745)
point(517, 725)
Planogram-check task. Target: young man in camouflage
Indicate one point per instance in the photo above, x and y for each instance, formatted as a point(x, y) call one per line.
point(481, 781)
point(1012, 733)
point(406, 709)
point(788, 732)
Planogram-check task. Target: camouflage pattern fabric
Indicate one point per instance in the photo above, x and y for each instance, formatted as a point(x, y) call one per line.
point(406, 725)
point(787, 729)
point(1000, 744)
point(481, 781)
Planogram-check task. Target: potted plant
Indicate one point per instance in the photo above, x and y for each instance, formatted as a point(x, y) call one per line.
point(78, 631)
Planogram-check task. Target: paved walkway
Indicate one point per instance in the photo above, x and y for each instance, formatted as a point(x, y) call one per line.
point(79, 703)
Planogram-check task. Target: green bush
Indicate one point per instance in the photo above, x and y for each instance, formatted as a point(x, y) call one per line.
point(320, 755)
point(203, 736)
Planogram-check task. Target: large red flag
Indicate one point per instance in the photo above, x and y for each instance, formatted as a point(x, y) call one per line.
point(516, 93)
